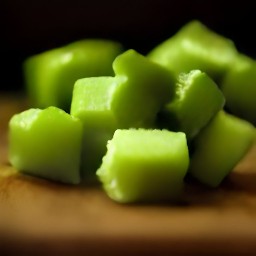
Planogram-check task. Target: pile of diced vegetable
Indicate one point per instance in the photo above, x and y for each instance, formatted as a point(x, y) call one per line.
point(138, 124)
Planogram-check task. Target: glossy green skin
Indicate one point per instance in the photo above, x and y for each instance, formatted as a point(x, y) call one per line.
point(219, 147)
point(130, 99)
point(144, 165)
point(239, 88)
point(197, 100)
point(46, 143)
point(195, 46)
point(50, 76)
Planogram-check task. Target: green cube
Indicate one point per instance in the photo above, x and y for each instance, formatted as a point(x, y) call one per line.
point(46, 143)
point(197, 100)
point(144, 165)
point(146, 87)
point(91, 103)
point(239, 88)
point(219, 147)
point(196, 46)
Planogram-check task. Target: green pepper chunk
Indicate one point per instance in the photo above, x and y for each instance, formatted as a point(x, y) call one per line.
point(50, 76)
point(144, 165)
point(195, 46)
point(46, 143)
point(239, 88)
point(219, 147)
point(130, 99)
point(197, 100)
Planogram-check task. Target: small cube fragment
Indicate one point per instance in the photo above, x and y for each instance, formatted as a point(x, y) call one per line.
point(46, 143)
point(144, 165)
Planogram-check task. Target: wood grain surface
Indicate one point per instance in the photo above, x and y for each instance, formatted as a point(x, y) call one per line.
point(39, 217)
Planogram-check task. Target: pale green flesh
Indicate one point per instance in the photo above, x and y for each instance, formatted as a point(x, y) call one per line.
point(219, 147)
point(196, 101)
point(144, 165)
point(146, 89)
point(46, 143)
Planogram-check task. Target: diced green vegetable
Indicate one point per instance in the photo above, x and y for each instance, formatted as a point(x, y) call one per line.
point(130, 99)
point(144, 165)
point(239, 88)
point(196, 101)
point(219, 147)
point(50, 76)
point(46, 143)
point(195, 46)
point(129, 123)
point(146, 89)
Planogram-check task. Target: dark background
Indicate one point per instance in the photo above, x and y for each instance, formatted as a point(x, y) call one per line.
point(28, 27)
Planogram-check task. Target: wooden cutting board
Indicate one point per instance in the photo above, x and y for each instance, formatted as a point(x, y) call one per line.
point(47, 218)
